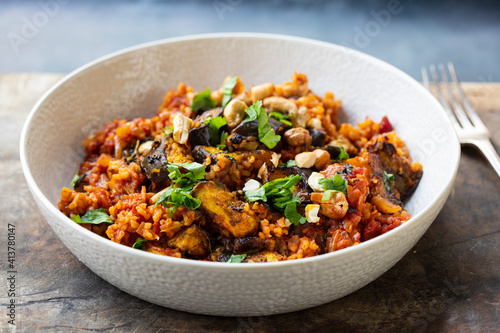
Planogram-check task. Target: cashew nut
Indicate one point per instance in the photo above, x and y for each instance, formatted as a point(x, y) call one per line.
point(297, 136)
point(301, 117)
point(305, 160)
point(335, 207)
point(322, 158)
point(279, 104)
point(182, 125)
point(145, 147)
point(313, 181)
point(314, 123)
point(234, 113)
point(312, 213)
point(261, 91)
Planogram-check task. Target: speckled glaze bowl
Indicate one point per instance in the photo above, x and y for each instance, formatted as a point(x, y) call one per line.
point(132, 83)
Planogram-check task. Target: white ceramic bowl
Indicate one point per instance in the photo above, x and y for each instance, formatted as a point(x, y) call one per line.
point(132, 83)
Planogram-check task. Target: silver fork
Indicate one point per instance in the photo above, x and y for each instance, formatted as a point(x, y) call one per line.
point(469, 127)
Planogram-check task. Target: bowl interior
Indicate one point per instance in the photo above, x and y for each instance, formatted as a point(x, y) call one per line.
point(132, 83)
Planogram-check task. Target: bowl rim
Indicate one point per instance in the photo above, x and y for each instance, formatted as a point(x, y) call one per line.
point(128, 251)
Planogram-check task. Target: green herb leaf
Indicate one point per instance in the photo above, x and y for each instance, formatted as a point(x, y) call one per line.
point(170, 130)
point(75, 179)
point(292, 215)
point(334, 184)
point(236, 258)
point(343, 155)
point(96, 216)
point(228, 90)
point(266, 134)
point(196, 171)
point(258, 194)
point(253, 111)
point(223, 137)
point(327, 194)
point(214, 125)
point(270, 139)
point(278, 193)
point(179, 194)
point(388, 178)
point(139, 243)
point(291, 163)
point(76, 218)
point(164, 196)
point(180, 197)
point(291, 182)
point(281, 117)
point(203, 101)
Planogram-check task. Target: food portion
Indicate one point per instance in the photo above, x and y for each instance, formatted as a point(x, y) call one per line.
point(242, 175)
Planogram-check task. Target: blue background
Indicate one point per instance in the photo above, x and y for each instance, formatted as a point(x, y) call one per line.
point(68, 34)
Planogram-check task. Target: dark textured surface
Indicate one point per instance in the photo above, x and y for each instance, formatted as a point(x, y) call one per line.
point(449, 282)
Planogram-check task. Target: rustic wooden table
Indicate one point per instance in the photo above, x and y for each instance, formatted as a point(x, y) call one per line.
point(449, 282)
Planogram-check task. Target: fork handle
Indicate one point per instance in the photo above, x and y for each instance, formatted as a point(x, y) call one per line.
point(489, 152)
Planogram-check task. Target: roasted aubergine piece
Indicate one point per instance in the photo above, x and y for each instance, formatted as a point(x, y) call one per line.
point(302, 188)
point(154, 163)
point(246, 135)
point(251, 161)
point(224, 210)
point(191, 240)
point(201, 153)
point(265, 256)
point(251, 128)
point(406, 179)
point(318, 137)
point(249, 244)
point(200, 133)
point(371, 162)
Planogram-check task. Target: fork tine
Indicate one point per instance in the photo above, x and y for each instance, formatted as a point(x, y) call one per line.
point(469, 110)
point(443, 101)
point(425, 78)
point(474, 133)
point(457, 108)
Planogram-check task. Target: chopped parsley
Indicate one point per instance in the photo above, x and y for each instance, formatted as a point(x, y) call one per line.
point(214, 126)
point(228, 90)
point(236, 258)
point(289, 164)
point(278, 193)
point(281, 118)
point(170, 130)
point(332, 185)
point(388, 179)
point(75, 180)
point(179, 193)
point(266, 134)
point(203, 101)
point(223, 137)
point(343, 155)
point(196, 172)
point(176, 197)
point(96, 216)
point(258, 194)
point(139, 243)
